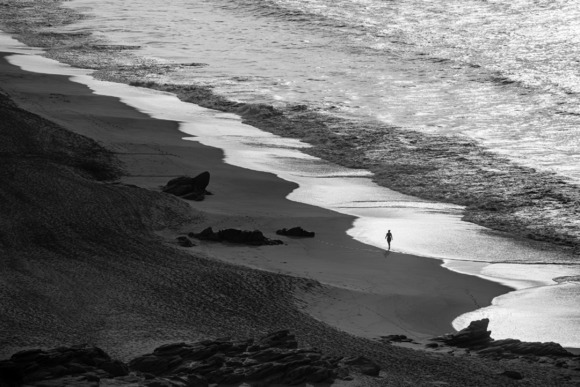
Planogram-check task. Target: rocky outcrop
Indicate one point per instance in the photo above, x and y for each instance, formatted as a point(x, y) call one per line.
point(296, 232)
point(190, 188)
point(477, 339)
point(273, 359)
point(252, 238)
point(78, 365)
point(474, 336)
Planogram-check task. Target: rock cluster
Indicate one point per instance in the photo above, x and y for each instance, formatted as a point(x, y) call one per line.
point(296, 232)
point(76, 366)
point(232, 235)
point(190, 188)
point(474, 336)
point(273, 359)
point(478, 339)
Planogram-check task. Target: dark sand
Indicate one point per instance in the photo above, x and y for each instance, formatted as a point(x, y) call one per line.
point(96, 262)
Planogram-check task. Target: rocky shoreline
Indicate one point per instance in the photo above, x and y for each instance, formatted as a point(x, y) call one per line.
point(273, 359)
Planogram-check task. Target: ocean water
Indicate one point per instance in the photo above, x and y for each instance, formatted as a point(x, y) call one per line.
point(502, 73)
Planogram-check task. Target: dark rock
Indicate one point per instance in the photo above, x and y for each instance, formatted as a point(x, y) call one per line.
point(363, 365)
point(432, 345)
point(279, 339)
point(155, 365)
point(396, 338)
point(296, 232)
point(196, 381)
point(10, 375)
point(513, 375)
point(526, 348)
point(114, 368)
point(190, 188)
point(475, 335)
point(252, 238)
point(477, 338)
point(272, 359)
point(185, 241)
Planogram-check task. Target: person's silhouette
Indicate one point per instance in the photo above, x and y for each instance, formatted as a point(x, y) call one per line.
point(389, 238)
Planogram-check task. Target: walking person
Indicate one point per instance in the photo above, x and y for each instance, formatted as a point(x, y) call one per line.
point(389, 238)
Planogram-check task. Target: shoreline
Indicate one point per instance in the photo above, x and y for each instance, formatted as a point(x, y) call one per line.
point(534, 206)
point(242, 203)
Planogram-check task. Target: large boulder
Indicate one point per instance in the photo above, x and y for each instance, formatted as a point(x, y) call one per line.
point(190, 188)
point(474, 336)
point(477, 338)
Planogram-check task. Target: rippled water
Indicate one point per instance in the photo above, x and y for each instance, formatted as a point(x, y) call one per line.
point(502, 72)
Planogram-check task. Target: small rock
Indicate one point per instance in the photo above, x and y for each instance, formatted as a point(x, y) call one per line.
point(296, 232)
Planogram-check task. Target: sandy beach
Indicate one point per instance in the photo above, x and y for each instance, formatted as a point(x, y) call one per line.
point(90, 259)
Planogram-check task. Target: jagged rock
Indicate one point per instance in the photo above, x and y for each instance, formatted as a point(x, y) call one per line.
point(296, 232)
point(272, 359)
point(184, 241)
point(114, 368)
point(362, 365)
point(279, 339)
point(475, 335)
point(64, 363)
point(190, 188)
point(525, 348)
point(155, 365)
point(253, 238)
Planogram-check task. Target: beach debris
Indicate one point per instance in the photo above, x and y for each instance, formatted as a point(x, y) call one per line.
point(232, 235)
point(190, 188)
point(184, 241)
point(296, 232)
point(273, 359)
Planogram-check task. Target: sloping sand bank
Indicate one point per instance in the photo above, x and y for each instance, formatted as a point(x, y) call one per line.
point(86, 260)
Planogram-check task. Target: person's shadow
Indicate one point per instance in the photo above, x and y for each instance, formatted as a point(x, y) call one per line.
point(386, 253)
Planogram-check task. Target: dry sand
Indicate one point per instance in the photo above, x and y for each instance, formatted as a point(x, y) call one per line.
point(91, 261)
